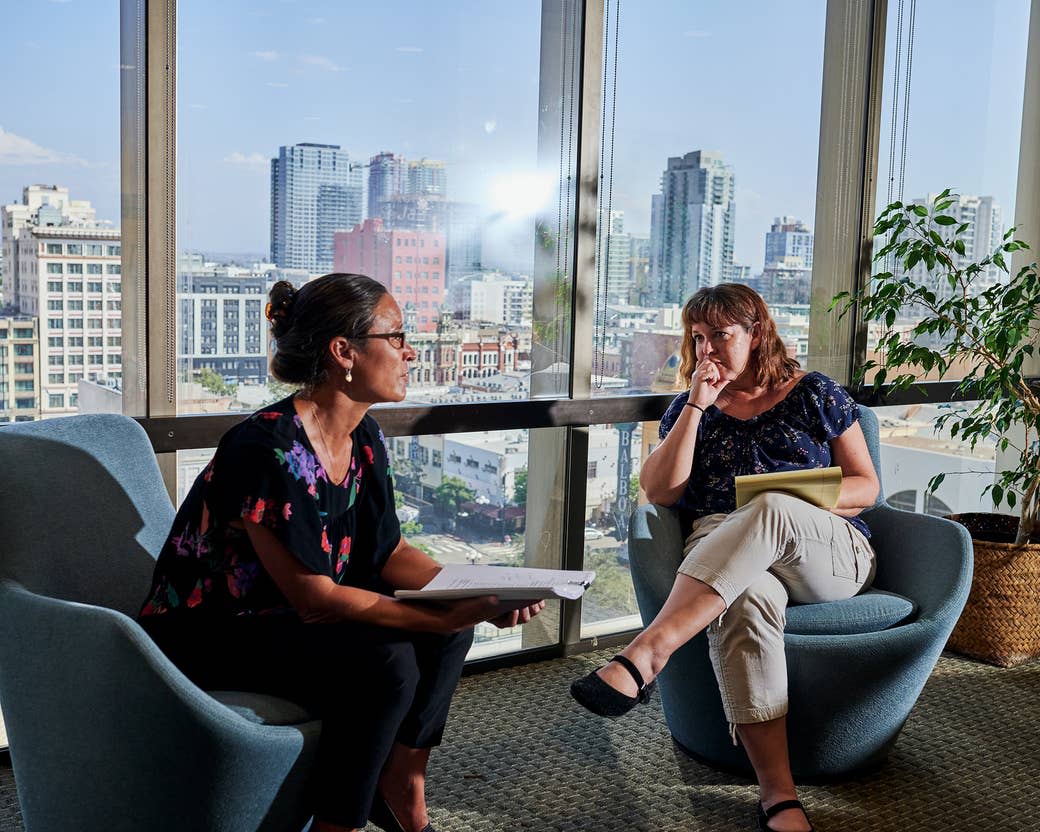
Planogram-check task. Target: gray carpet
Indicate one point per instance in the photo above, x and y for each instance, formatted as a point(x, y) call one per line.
point(521, 755)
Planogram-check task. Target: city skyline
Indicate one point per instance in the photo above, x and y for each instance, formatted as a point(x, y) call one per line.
point(438, 88)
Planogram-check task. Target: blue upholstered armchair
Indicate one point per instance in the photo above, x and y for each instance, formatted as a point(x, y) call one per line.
point(855, 667)
point(105, 733)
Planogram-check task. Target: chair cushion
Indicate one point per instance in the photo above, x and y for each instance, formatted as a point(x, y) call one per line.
point(262, 708)
point(868, 612)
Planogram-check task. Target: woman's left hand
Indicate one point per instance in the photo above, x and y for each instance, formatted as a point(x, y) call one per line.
point(513, 617)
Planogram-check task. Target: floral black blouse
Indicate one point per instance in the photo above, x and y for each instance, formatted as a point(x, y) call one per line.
point(266, 471)
point(794, 433)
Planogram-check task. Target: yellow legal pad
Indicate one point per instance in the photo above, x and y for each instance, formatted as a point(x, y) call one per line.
point(819, 486)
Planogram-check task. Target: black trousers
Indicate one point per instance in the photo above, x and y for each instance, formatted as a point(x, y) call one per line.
point(370, 686)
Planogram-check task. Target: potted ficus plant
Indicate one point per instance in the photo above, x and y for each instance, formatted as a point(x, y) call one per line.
point(969, 315)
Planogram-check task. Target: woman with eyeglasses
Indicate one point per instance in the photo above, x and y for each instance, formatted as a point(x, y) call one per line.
point(278, 574)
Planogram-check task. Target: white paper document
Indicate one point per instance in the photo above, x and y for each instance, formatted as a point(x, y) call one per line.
point(458, 580)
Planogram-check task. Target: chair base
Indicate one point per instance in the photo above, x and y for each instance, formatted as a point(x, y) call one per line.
point(813, 779)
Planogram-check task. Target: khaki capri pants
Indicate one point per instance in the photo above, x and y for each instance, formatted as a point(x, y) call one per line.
point(776, 548)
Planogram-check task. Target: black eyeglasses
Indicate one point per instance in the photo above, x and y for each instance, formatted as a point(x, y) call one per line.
point(395, 339)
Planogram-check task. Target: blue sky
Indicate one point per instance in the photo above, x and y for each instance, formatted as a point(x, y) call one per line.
point(459, 81)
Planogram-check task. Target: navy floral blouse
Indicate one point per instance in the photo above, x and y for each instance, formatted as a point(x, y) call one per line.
point(266, 471)
point(795, 433)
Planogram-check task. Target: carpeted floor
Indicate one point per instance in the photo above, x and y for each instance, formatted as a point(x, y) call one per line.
point(521, 755)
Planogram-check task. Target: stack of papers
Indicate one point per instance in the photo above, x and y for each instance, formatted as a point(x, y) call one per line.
point(507, 582)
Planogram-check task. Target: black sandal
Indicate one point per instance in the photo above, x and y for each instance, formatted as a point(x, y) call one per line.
point(383, 816)
point(597, 696)
point(765, 814)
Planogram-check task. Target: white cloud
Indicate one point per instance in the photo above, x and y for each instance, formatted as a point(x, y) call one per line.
point(16, 150)
point(489, 126)
point(409, 49)
point(322, 62)
point(277, 84)
point(696, 33)
point(267, 55)
point(248, 160)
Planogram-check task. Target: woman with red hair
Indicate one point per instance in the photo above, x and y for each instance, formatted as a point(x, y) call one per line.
point(747, 408)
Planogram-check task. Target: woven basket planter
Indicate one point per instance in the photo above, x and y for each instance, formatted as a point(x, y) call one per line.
point(1001, 621)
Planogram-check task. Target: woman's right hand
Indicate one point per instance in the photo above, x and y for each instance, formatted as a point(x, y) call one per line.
point(706, 383)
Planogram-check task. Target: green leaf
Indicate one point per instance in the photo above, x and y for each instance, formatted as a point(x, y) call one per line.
point(944, 219)
point(920, 210)
point(958, 246)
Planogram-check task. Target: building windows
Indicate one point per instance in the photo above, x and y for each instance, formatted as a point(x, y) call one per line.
point(54, 285)
point(74, 268)
point(74, 249)
point(94, 268)
point(56, 360)
point(114, 251)
point(23, 349)
point(56, 400)
point(94, 249)
point(54, 248)
point(94, 286)
point(54, 268)
point(112, 268)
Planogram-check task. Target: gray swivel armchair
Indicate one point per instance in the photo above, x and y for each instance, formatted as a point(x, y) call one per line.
point(105, 733)
point(855, 667)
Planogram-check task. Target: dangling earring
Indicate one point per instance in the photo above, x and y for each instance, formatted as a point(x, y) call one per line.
point(348, 376)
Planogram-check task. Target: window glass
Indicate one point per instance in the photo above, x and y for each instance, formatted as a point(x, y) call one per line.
point(691, 194)
point(59, 187)
point(913, 451)
point(970, 55)
point(611, 493)
point(440, 141)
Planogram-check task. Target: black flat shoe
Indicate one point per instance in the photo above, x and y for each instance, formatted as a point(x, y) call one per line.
point(383, 816)
point(600, 698)
point(765, 814)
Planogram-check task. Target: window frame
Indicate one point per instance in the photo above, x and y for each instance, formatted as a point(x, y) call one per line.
point(854, 46)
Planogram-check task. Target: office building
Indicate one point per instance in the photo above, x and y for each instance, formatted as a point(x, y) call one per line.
point(315, 191)
point(493, 298)
point(789, 237)
point(64, 267)
point(409, 263)
point(19, 368)
point(221, 325)
point(691, 226)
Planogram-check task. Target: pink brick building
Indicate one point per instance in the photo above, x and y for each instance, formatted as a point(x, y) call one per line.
point(409, 263)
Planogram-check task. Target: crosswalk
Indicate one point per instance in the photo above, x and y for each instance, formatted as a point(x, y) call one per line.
point(445, 547)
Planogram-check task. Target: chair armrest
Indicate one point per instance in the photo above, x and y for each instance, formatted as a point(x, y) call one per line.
point(86, 690)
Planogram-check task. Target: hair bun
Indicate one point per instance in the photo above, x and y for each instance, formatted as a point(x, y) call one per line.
point(279, 307)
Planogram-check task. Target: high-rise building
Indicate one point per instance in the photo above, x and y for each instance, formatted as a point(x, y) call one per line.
point(63, 266)
point(691, 226)
point(409, 263)
point(983, 216)
point(617, 245)
point(315, 191)
point(789, 237)
point(397, 186)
